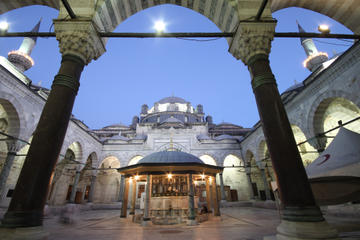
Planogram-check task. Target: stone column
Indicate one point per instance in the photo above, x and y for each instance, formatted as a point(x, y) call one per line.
point(122, 187)
point(248, 174)
point(208, 195)
point(300, 215)
point(222, 189)
point(146, 218)
point(74, 187)
point(266, 184)
point(133, 198)
point(92, 188)
point(215, 197)
point(191, 216)
point(13, 147)
point(79, 43)
point(125, 198)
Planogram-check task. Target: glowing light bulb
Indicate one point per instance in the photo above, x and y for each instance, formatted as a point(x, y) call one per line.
point(202, 176)
point(4, 26)
point(137, 177)
point(323, 28)
point(160, 26)
point(169, 175)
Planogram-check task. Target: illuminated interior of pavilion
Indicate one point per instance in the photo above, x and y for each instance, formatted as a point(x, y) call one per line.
point(182, 188)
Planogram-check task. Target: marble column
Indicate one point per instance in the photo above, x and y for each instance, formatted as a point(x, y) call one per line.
point(146, 217)
point(266, 184)
point(191, 215)
point(222, 189)
point(301, 217)
point(74, 187)
point(122, 187)
point(215, 197)
point(125, 198)
point(79, 43)
point(208, 195)
point(92, 188)
point(133, 197)
point(13, 147)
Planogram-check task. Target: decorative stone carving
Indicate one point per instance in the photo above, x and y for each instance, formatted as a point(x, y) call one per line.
point(252, 38)
point(79, 38)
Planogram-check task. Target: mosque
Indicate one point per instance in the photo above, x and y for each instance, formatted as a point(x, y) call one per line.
point(173, 159)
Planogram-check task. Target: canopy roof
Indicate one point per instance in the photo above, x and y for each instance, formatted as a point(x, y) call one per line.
point(170, 161)
point(341, 158)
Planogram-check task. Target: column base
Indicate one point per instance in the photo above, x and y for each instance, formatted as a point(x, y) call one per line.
point(146, 222)
point(191, 222)
point(14, 219)
point(288, 230)
point(28, 233)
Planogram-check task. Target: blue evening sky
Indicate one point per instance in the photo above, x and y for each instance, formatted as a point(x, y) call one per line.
point(137, 71)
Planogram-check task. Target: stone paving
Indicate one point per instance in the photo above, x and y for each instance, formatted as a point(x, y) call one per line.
point(236, 223)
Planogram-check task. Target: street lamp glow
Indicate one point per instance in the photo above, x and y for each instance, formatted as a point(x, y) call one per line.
point(4, 26)
point(323, 28)
point(160, 26)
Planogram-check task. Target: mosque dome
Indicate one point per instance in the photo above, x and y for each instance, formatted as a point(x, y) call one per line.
point(165, 157)
point(172, 100)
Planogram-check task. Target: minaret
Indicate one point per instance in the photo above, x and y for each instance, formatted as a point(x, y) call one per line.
point(315, 58)
point(21, 57)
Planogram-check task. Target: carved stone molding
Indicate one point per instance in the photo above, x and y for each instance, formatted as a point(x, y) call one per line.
point(252, 38)
point(79, 38)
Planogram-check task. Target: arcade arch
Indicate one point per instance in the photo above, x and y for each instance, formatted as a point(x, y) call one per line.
point(107, 184)
point(307, 152)
point(207, 159)
point(134, 160)
point(328, 114)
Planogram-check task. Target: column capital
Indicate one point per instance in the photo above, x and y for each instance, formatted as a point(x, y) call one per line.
point(79, 38)
point(252, 38)
point(13, 146)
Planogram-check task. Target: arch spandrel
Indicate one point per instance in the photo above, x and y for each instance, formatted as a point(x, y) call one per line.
point(8, 5)
point(345, 12)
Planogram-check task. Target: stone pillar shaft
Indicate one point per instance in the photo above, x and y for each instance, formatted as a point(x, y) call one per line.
point(266, 185)
point(222, 189)
point(133, 198)
point(27, 203)
point(5, 171)
point(92, 189)
point(147, 199)
point(191, 215)
point(215, 197)
point(125, 199)
point(74, 187)
point(250, 185)
point(122, 187)
point(208, 195)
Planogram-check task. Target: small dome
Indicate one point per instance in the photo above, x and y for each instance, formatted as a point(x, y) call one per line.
point(172, 100)
point(170, 157)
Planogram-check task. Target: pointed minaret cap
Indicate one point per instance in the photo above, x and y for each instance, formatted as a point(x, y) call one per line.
point(21, 58)
point(301, 30)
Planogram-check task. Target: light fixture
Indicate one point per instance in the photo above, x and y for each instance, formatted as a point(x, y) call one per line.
point(323, 28)
point(160, 26)
point(210, 179)
point(169, 175)
point(202, 176)
point(4, 26)
point(130, 180)
point(137, 177)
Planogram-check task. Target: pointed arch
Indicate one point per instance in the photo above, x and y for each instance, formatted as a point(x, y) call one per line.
point(207, 159)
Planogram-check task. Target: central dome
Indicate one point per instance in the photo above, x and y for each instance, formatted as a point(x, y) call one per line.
point(170, 157)
point(172, 100)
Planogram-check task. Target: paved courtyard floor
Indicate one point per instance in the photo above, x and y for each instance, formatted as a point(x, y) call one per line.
point(240, 223)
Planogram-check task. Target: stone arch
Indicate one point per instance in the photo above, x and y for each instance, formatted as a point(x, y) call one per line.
point(208, 159)
point(307, 152)
point(232, 160)
point(345, 12)
point(262, 151)
point(223, 13)
point(328, 109)
point(8, 5)
point(76, 148)
point(110, 162)
point(134, 160)
point(12, 113)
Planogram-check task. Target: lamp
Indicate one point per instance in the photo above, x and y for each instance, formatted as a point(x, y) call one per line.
point(323, 28)
point(4, 26)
